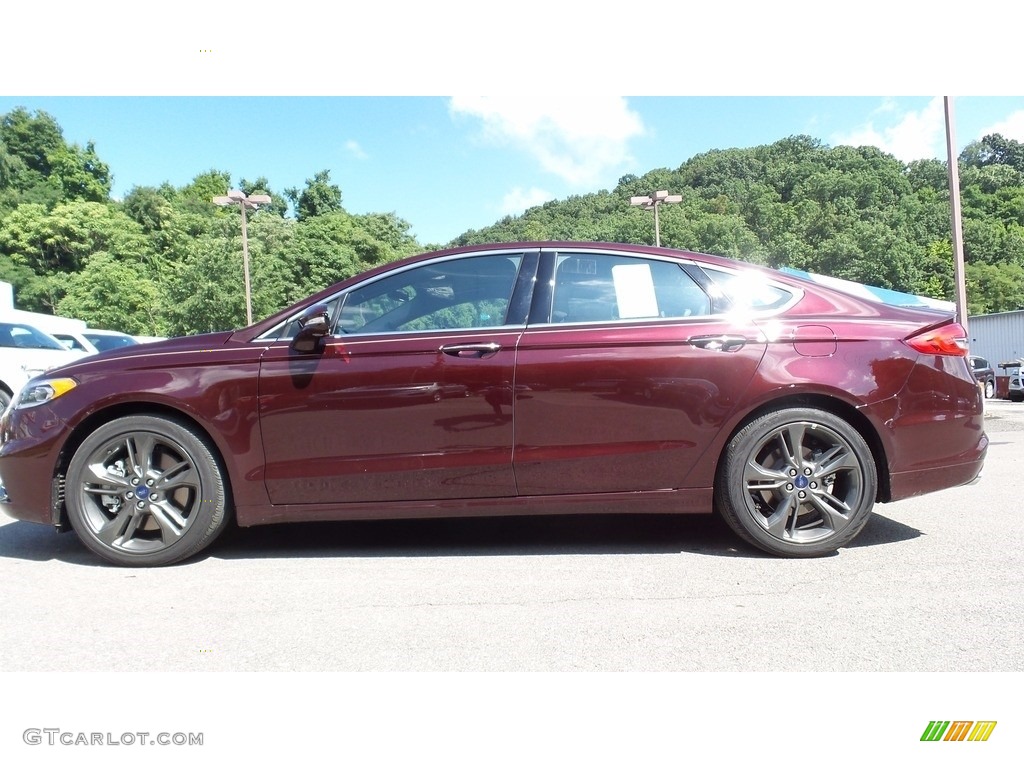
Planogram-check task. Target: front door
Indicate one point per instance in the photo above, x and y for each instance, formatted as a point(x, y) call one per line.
point(411, 399)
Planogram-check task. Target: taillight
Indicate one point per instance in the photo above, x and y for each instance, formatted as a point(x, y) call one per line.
point(949, 339)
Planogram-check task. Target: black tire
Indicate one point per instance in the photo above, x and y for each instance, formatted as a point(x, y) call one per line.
point(798, 482)
point(5, 399)
point(990, 389)
point(146, 491)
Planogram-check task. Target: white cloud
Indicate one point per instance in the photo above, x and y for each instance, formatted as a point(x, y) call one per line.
point(355, 150)
point(1010, 128)
point(577, 138)
point(519, 199)
point(909, 136)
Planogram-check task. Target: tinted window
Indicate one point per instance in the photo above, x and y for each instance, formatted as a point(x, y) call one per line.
point(749, 290)
point(103, 342)
point(70, 342)
point(596, 287)
point(470, 292)
point(26, 337)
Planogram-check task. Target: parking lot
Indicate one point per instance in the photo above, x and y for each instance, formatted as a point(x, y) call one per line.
point(932, 584)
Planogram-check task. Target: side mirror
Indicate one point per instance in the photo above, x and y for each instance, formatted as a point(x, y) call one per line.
point(315, 325)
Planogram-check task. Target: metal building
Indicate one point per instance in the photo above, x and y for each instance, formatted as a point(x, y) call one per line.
point(998, 338)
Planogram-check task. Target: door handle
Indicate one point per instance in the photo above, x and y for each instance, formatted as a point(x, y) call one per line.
point(720, 343)
point(471, 350)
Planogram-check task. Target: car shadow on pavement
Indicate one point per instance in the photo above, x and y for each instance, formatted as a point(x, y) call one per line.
point(467, 537)
point(883, 530)
point(510, 536)
point(476, 537)
point(31, 541)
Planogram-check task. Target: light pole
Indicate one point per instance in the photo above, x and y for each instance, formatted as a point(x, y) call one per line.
point(953, 172)
point(237, 196)
point(654, 201)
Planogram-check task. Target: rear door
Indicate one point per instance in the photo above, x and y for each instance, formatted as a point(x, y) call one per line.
point(624, 375)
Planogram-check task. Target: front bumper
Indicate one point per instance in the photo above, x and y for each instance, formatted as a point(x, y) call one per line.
point(30, 442)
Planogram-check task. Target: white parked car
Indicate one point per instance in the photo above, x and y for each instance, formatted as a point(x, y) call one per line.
point(92, 340)
point(25, 351)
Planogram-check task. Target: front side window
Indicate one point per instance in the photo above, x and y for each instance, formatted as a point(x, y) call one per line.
point(600, 287)
point(471, 292)
point(462, 293)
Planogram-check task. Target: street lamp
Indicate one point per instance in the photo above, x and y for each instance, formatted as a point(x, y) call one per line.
point(653, 201)
point(957, 227)
point(233, 197)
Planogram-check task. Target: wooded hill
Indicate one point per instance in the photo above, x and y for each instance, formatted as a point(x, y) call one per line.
point(165, 260)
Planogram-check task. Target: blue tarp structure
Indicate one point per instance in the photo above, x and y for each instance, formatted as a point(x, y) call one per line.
point(873, 293)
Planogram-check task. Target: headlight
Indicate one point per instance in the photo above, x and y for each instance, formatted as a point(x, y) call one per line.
point(39, 392)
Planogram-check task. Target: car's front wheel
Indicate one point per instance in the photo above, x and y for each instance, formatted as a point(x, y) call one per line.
point(990, 389)
point(797, 482)
point(145, 490)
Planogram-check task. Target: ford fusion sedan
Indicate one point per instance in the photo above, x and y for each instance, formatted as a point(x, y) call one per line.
point(515, 379)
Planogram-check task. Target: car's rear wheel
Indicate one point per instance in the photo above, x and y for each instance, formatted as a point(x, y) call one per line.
point(145, 490)
point(798, 482)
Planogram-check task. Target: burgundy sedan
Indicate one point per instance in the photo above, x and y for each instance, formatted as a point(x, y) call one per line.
point(533, 378)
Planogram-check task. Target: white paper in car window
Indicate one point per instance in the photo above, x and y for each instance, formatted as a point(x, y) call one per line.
point(634, 290)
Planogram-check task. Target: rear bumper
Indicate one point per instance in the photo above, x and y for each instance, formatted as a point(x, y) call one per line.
point(904, 485)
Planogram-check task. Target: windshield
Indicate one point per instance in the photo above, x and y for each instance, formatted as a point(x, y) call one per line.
point(103, 342)
point(26, 337)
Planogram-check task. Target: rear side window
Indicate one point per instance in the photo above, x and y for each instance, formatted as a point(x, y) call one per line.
point(748, 290)
point(602, 287)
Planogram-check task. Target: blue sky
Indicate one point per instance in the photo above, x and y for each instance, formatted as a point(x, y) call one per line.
point(552, 97)
point(448, 164)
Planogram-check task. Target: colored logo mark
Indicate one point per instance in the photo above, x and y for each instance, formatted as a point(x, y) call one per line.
point(958, 730)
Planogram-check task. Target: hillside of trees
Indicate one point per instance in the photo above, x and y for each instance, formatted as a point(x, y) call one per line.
point(166, 261)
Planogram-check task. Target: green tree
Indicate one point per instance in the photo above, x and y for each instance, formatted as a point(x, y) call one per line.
point(54, 244)
point(81, 174)
point(149, 207)
point(197, 196)
point(994, 149)
point(994, 288)
point(319, 197)
point(33, 138)
point(205, 291)
point(110, 293)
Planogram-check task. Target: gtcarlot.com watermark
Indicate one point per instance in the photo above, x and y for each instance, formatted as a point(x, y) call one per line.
point(53, 737)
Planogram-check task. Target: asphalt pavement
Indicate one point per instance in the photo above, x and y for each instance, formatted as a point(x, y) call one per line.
point(932, 584)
